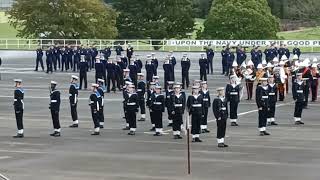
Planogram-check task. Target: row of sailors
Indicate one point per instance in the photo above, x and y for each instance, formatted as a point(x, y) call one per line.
point(175, 100)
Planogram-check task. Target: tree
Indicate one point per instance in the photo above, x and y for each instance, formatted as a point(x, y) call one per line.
point(155, 19)
point(85, 19)
point(201, 8)
point(240, 19)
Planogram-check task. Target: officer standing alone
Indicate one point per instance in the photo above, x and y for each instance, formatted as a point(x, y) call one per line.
point(55, 108)
point(19, 107)
point(73, 99)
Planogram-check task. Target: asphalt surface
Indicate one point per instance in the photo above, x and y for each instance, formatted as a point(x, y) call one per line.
point(291, 152)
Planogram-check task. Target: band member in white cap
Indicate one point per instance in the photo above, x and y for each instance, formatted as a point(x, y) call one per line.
point(157, 108)
point(195, 109)
point(177, 106)
point(314, 81)
point(262, 100)
point(131, 108)
point(220, 111)
point(273, 97)
point(150, 92)
point(101, 90)
point(95, 107)
point(19, 107)
point(73, 99)
point(206, 105)
point(233, 97)
point(280, 79)
point(250, 77)
point(141, 90)
point(169, 91)
point(298, 92)
point(55, 108)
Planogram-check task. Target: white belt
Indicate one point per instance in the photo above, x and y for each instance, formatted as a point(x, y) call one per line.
point(15, 100)
point(300, 91)
point(272, 94)
point(205, 99)
point(233, 93)
point(157, 103)
point(53, 101)
point(131, 104)
point(223, 108)
point(265, 97)
point(178, 105)
point(70, 94)
point(196, 105)
point(138, 90)
point(168, 96)
point(315, 78)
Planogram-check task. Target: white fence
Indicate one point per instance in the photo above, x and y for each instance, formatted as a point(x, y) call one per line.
point(154, 44)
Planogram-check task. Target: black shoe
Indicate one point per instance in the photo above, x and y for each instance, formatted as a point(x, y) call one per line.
point(132, 133)
point(225, 145)
point(299, 123)
point(274, 124)
point(266, 133)
point(261, 133)
point(55, 134)
point(18, 136)
point(95, 133)
point(123, 117)
point(36, 70)
point(170, 125)
point(101, 126)
point(153, 129)
point(197, 140)
point(142, 119)
point(74, 126)
point(177, 137)
point(205, 131)
point(126, 128)
point(234, 124)
point(157, 134)
point(220, 145)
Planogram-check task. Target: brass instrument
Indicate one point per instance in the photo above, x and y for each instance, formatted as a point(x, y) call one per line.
point(260, 74)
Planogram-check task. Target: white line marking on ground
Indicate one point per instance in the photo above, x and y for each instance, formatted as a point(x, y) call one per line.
point(23, 151)
point(4, 177)
point(5, 157)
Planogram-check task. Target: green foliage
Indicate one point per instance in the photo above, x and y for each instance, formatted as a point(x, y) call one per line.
point(240, 19)
point(156, 19)
point(201, 7)
point(63, 19)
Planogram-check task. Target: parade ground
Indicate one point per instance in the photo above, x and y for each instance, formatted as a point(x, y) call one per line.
point(291, 152)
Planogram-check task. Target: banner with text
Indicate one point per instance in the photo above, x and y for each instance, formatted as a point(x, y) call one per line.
point(245, 43)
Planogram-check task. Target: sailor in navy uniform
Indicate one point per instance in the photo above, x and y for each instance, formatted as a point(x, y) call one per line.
point(203, 63)
point(150, 91)
point(125, 92)
point(185, 66)
point(129, 52)
point(195, 109)
point(169, 92)
point(206, 105)
point(141, 90)
point(172, 61)
point(150, 69)
point(157, 107)
point(262, 100)
point(155, 79)
point(155, 63)
point(233, 97)
point(55, 108)
point(95, 107)
point(73, 99)
point(299, 98)
point(272, 100)
point(168, 72)
point(220, 111)
point(131, 109)
point(177, 106)
point(101, 89)
point(19, 107)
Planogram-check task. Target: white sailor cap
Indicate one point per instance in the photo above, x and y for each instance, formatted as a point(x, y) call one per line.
point(148, 56)
point(100, 80)
point(54, 82)
point(295, 57)
point(259, 66)
point(250, 63)
point(269, 65)
point(74, 77)
point(17, 80)
point(98, 57)
point(202, 54)
point(158, 87)
point(170, 51)
point(153, 53)
point(152, 83)
point(315, 60)
point(197, 81)
point(140, 74)
point(185, 55)
point(271, 76)
point(94, 85)
point(126, 70)
point(170, 82)
point(314, 65)
point(203, 82)
point(281, 62)
point(299, 74)
point(234, 64)
point(131, 86)
point(178, 83)
point(155, 77)
point(220, 88)
point(195, 87)
point(263, 79)
point(128, 83)
point(176, 86)
point(275, 59)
